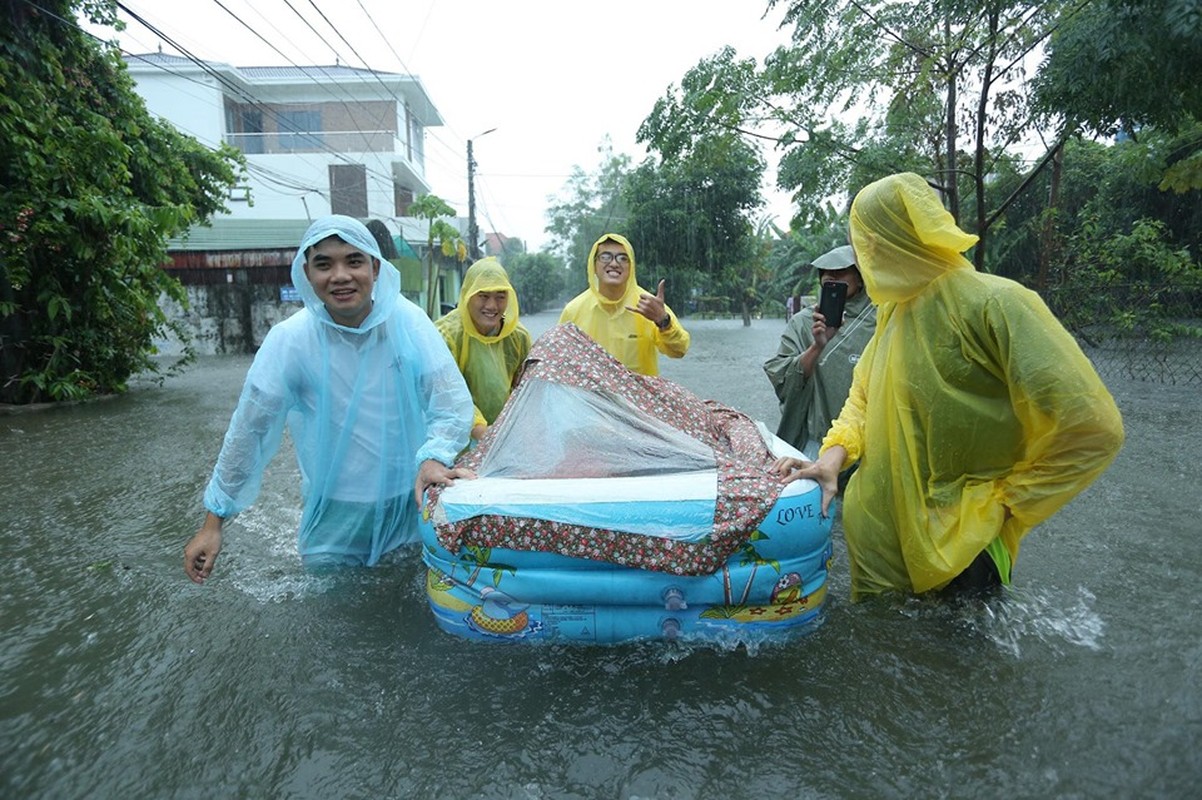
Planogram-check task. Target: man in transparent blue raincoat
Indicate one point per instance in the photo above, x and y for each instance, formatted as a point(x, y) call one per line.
point(375, 405)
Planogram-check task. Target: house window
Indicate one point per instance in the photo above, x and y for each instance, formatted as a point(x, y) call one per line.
point(348, 189)
point(250, 125)
point(300, 131)
point(402, 199)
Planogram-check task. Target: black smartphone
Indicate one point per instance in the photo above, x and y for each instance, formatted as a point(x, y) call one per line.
point(831, 301)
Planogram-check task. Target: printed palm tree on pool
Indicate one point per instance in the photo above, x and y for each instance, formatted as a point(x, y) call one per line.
point(748, 557)
point(480, 558)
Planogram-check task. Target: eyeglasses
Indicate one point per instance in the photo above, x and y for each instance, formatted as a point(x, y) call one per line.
point(607, 258)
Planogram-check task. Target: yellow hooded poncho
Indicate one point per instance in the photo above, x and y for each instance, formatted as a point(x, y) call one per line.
point(973, 413)
point(626, 335)
point(488, 363)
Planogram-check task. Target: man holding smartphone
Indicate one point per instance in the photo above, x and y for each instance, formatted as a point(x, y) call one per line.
point(811, 371)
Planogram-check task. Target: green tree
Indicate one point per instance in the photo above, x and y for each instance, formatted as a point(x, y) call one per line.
point(1114, 185)
point(589, 205)
point(1103, 56)
point(538, 279)
point(433, 209)
point(692, 208)
point(820, 230)
point(872, 87)
point(510, 247)
point(92, 187)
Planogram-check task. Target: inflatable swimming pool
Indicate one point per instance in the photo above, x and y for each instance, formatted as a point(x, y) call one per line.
point(612, 506)
point(773, 586)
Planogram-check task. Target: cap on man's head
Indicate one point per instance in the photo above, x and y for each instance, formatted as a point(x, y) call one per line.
point(839, 258)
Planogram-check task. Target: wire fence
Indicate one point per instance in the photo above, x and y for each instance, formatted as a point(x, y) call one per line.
point(1129, 331)
point(1136, 332)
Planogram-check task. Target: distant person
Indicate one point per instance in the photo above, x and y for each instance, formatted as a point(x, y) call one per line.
point(375, 407)
point(973, 414)
point(811, 371)
point(486, 338)
point(628, 321)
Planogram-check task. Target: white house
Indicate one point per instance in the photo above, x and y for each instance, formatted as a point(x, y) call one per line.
point(317, 140)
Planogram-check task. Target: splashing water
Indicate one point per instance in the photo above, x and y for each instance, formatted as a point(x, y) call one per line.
point(1024, 616)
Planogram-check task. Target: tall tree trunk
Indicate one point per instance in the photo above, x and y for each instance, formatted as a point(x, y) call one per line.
point(1049, 244)
point(951, 188)
point(978, 255)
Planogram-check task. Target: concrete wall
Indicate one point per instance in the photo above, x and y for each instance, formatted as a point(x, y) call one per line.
point(226, 318)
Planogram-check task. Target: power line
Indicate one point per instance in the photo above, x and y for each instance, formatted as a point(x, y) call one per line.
point(281, 121)
point(306, 73)
point(263, 39)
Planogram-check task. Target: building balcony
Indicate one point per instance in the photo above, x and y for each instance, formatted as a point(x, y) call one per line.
point(280, 143)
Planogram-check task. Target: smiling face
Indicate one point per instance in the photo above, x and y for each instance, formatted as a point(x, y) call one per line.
point(487, 310)
point(342, 275)
point(612, 267)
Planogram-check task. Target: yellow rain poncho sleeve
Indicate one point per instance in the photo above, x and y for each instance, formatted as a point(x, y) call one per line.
point(488, 363)
point(973, 413)
point(626, 335)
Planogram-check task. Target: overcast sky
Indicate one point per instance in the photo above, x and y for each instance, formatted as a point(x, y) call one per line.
point(553, 77)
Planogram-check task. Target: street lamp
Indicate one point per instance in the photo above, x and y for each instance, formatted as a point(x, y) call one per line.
point(472, 232)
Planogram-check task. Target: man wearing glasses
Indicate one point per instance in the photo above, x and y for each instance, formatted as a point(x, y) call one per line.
point(628, 321)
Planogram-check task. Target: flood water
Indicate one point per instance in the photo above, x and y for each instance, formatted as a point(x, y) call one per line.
point(120, 678)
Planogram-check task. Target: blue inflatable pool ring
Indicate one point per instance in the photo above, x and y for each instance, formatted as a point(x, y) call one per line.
point(775, 586)
point(611, 507)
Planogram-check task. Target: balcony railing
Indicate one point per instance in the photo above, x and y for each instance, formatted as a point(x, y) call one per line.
point(278, 142)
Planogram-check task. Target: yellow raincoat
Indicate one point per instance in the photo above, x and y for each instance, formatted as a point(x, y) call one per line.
point(488, 363)
point(973, 413)
point(626, 335)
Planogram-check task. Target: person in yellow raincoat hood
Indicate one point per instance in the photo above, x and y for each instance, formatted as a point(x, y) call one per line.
point(628, 321)
point(488, 341)
point(973, 414)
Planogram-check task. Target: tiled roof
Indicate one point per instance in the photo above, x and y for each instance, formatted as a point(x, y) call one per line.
point(242, 234)
point(312, 72)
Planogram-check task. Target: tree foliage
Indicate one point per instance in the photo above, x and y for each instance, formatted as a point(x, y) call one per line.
point(591, 204)
point(788, 265)
point(92, 187)
point(691, 211)
point(538, 278)
point(433, 209)
point(937, 87)
point(1102, 59)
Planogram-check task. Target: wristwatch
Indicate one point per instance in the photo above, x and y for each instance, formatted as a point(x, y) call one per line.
point(664, 323)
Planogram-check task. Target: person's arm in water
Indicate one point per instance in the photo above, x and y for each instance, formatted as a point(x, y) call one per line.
point(200, 554)
point(252, 439)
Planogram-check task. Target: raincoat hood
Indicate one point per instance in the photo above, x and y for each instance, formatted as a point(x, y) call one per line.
point(487, 275)
point(837, 259)
point(385, 290)
point(632, 283)
point(904, 238)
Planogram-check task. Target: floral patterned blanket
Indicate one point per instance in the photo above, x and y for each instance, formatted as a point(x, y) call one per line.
point(639, 406)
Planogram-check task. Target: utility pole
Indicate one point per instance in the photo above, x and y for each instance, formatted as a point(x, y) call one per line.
point(472, 232)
